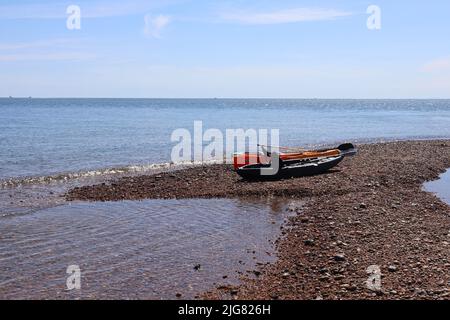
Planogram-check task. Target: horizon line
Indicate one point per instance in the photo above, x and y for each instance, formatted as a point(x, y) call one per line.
point(220, 98)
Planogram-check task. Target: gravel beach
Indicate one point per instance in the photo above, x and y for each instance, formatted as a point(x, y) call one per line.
point(369, 211)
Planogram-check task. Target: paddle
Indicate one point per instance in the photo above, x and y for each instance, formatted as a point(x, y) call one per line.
point(281, 148)
point(347, 149)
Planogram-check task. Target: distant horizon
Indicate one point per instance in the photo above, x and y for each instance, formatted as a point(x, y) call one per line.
point(216, 98)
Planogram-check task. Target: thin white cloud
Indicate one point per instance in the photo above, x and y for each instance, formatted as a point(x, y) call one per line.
point(38, 44)
point(437, 65)
point(89, 9)
point(60, 56)
point(155, 25)
point(284, 16)
point(57, 49)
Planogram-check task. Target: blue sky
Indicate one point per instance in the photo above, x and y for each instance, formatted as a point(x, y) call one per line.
point(196, 48)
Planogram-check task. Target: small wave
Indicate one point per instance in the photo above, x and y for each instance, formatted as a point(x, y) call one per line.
point(132, 169)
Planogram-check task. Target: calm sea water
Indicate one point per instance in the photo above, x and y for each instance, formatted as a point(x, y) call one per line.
point(41, 137)
point(147, 249)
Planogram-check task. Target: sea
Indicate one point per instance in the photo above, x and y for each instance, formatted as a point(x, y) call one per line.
point(156, 249)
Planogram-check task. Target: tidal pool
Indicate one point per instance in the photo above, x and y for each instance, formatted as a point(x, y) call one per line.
point(440, 187)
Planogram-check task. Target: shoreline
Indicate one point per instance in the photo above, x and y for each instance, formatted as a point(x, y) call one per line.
point(108, 173)
point(371, 210)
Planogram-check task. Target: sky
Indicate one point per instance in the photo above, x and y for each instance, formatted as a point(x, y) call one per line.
point(225, 49)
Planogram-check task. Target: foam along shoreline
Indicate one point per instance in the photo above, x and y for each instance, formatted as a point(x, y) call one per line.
point(370, 210)
point(101, 173)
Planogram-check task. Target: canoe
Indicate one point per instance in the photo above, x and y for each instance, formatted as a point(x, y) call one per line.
point(243, 159)
point(317, 162)
point(299, 169)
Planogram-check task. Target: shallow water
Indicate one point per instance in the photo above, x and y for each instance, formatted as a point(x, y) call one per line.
point(136, 249)
point(440, 187)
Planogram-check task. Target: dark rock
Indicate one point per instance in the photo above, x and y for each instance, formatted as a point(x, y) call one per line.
point(324, 278)
point(339, 257)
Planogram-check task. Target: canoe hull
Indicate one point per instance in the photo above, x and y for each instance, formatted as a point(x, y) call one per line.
point(302, 169)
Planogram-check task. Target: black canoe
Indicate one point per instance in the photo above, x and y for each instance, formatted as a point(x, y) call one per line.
point(296, 168)
point(299, 169)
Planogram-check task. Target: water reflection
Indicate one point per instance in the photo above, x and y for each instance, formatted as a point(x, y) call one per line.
point(136, 249)
point(440, 187)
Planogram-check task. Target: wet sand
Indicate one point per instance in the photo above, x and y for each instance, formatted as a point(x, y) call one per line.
point(370, 210)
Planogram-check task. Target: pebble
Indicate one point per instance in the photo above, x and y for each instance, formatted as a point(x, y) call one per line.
point(339, 257)
point(392, 268)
